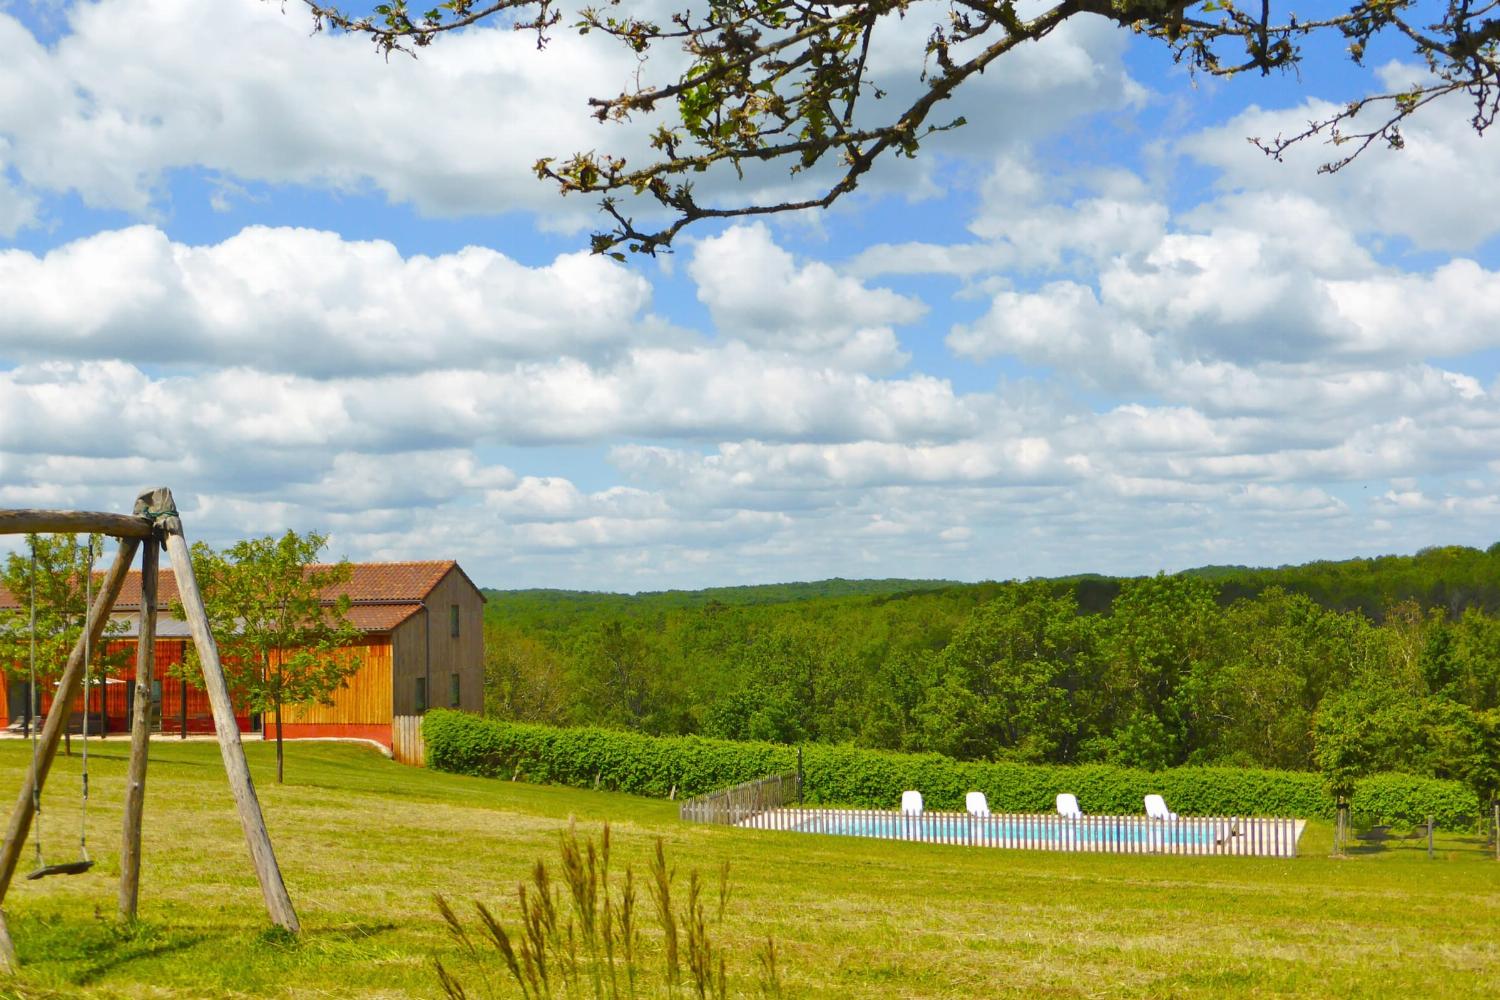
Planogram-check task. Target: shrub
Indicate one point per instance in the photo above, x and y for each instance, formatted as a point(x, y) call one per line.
point(846, 775)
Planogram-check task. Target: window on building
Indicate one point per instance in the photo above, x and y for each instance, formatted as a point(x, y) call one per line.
point(453, 690)
point(421, 695)
point(453, 620)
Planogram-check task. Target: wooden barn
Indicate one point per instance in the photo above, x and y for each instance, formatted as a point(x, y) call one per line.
point(422, 647)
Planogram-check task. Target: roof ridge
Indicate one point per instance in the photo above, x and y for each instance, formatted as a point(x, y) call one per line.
point(408, 581)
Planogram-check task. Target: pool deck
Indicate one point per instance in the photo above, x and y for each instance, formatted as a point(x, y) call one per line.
point(1245, 836)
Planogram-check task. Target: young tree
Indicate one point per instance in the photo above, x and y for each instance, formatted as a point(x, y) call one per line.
point(281, 640)
point(782, 81)
point(58, 576)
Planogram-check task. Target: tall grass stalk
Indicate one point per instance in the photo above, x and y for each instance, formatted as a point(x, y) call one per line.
point(578, 938)
point(661, 895)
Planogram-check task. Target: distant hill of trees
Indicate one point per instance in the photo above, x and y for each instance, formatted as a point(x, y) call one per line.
point(764, 593)
point(1215, 665)
point(1454, 577)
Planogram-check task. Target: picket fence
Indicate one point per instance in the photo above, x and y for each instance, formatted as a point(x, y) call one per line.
point(734, 805)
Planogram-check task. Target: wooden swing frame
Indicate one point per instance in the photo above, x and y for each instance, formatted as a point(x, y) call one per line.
point(155, 521)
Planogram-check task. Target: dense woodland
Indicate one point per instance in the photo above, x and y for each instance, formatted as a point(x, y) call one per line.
point(1389, 664)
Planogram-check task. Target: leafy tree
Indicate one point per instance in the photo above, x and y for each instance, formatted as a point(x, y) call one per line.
point(1342, 744)
point(524, 679)
point(1254, 697)
point(281, 640)
point(1160, 629)
point(755, 82)
point(58, 575)
point(1025, 661)
point(1473, 671)
point(1462, 665)
point(1484, 777)
point(614, 677)
point(951, 719)
point(799, 684)
point(893, 697)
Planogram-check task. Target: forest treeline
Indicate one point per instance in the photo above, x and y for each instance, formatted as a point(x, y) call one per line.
point(1389, 664)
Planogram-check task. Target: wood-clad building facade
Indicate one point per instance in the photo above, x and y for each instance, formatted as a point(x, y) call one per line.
point(422, 646)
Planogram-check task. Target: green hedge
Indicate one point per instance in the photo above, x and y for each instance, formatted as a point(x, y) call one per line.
point(653, 766)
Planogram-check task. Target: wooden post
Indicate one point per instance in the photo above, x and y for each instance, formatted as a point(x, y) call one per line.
point(57, 719)
point(278, 903)
point(140, 734)
point(1429, 836)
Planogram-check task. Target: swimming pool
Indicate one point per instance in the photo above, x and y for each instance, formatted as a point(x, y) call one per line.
point(1260, 835)
point(950, 828)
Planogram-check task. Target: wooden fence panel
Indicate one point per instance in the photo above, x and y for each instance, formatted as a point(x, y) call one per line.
point(406, 740)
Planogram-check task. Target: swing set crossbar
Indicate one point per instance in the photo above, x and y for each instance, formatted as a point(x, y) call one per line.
point(39, 522)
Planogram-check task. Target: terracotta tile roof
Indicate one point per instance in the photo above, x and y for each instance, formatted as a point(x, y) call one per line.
point(384, 594)
point(381, 617)
point(394, 581)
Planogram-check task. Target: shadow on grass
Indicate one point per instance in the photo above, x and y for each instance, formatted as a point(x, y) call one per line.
point(65, 951)
point(128, 955)
point(1362, 849)
point(123, 756)
point(324, 938)
point(85, 953)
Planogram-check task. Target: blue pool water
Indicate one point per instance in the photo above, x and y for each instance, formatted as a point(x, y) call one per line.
point(1004, 830)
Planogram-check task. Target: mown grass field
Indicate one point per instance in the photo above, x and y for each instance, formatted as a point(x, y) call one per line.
point(364, 843)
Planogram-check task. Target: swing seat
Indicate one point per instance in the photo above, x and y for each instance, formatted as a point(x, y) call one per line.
point(66, 868)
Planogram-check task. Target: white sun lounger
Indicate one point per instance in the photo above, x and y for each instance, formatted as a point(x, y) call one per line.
point(911, 803)
point(1156, 808)
point(1067, 805)
point(977, 804)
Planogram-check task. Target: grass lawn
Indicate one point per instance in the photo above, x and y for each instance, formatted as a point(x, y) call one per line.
point(364, 843)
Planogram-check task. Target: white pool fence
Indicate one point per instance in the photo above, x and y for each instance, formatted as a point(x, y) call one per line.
point(1250, 836)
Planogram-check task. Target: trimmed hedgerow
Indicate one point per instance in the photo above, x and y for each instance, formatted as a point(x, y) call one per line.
point(844, 775)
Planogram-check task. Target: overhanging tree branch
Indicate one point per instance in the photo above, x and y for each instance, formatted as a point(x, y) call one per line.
point(780, 80)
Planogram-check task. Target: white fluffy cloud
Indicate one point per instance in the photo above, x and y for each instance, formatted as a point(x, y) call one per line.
point(309, 302)
point(1257, 302)
point(738, 452)
point(1028, 221)
point(756, 292)
point(112, 407)
point(135, 89)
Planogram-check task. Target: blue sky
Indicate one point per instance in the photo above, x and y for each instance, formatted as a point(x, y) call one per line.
point(1094, 330)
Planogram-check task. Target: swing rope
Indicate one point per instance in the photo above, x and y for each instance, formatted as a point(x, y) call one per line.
point(36, 715)
point(84, 863)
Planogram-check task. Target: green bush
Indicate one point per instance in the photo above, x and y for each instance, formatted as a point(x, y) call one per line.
point(845, 775)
